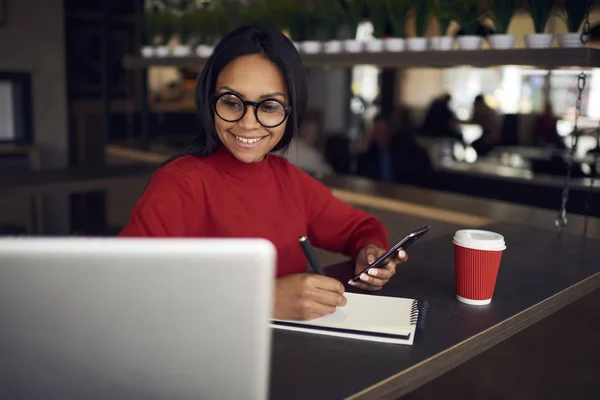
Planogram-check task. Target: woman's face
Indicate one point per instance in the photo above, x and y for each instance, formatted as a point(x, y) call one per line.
point(251, 78)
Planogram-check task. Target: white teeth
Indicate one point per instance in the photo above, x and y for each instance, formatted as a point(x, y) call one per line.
point(244, 140)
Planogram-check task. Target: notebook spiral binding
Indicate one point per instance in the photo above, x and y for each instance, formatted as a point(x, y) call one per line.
point(418, 314)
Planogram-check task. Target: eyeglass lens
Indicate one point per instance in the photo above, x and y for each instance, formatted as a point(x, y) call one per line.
point(269, 112)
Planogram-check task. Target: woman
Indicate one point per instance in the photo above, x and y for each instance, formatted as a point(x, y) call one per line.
point(251, 96)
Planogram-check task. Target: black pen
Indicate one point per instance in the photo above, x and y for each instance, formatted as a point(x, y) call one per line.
point(309, 252)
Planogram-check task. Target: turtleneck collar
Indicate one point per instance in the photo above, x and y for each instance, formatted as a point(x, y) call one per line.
point(231, 166)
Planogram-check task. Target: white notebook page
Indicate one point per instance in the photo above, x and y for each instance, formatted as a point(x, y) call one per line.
point(369, 313)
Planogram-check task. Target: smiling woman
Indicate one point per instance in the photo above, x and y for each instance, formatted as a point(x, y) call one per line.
point(251, 81)
point(251, 96)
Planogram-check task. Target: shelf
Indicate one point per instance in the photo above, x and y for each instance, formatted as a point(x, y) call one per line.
point(542, 58)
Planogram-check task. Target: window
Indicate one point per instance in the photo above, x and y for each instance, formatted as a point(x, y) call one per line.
point(16, 119)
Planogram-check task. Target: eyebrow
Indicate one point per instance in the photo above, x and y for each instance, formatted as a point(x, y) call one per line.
point(264, 96)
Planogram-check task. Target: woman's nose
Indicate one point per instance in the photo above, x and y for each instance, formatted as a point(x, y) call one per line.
point(249, 120)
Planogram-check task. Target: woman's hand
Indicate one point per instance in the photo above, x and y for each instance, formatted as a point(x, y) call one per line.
point(307, 296)
point(377, 277)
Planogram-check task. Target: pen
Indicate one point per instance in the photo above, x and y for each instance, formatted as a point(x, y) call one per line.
point(309, 252)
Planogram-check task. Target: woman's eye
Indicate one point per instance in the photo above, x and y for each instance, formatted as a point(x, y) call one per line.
point(271, 106)
point(230, 102)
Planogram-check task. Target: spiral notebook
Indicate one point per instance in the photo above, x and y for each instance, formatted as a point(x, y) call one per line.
point(368, 317)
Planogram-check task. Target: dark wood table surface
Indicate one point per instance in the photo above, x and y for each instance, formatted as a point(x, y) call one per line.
point(540, 273)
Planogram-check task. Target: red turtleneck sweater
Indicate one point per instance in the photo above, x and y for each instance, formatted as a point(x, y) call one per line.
point(219, 196)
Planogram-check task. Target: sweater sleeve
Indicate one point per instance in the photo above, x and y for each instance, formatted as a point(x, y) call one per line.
point(336, 226)
point(165, 207)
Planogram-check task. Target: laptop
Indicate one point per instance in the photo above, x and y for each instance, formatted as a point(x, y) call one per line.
point(121, 318)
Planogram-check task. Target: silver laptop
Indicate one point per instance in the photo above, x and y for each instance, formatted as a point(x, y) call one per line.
point(135, 318)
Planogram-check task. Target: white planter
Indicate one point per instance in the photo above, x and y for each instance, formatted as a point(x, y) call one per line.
point(161, 51)
point(204, 50)
point(333, 46)
point(353, 46)
point(538, 40)
point(502, 42)
point(374, 45)
point(394, 44)
point(441, 43)
point(570, 40)
point(147, 51)
point(311, 46)
point(469, 42)
point(182, 51)
point(416, 44)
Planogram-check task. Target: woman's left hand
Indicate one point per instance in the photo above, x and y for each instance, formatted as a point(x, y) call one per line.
point(377, 277)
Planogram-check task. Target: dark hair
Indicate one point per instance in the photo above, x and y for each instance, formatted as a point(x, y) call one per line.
point(274, 46)
point(478, 99)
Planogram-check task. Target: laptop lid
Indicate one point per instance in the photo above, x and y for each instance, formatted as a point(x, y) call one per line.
point(135, 318)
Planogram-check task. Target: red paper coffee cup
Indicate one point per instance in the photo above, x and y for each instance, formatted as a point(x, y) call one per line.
point(477, 256)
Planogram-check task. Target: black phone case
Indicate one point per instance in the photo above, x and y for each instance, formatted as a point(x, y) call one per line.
point(405, 243)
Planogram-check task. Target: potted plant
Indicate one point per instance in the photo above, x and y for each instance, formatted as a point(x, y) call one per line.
point(468, 14)
point(378, 14)
point(301, 22)
point(444, 16)
point(397, 10)
point(332, 18)
point(152, 31)
point(166, 24)
point(206, 30)
point(540, 11)
point(501, 13)
point(310, 21)
point(226, 16)
point(184, 28)
point(353, 14)
point(573, 12)
point(422, 11)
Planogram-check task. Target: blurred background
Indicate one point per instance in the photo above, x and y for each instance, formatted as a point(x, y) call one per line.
point(95, 95)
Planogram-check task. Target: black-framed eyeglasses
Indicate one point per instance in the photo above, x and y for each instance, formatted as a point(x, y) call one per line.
point(268, 112)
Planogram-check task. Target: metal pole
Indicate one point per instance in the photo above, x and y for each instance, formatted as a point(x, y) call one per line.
point(105, 80)
point(143, 82)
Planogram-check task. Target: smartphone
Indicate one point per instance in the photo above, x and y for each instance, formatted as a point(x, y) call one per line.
point(403, 244)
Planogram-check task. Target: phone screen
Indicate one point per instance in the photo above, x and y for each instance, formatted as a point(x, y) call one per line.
point(403, 244)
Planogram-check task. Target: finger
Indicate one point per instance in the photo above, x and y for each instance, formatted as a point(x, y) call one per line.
point(327, 283)
point(372, 281)
point(317, 308)
point(402, 256)
point(328, 298)
point(364, 286)
point(390, 268)
point(373, 253)
point(382, 273)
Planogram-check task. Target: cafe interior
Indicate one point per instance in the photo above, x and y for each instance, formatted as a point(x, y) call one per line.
point(489, 111)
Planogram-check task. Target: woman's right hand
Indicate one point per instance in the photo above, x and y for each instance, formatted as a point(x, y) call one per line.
point(307, 296)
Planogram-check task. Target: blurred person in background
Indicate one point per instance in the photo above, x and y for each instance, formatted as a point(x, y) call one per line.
point(392, 153)
point(440, 120)
point(413, 165)
point(377, 159)
point(303, 150)
point(250, 97)
point(491, 124)
point(545, 132)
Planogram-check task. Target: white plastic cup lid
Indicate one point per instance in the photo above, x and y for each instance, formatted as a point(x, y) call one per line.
point(479, 240)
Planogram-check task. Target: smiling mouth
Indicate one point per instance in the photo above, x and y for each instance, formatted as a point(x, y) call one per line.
point(248, 140)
